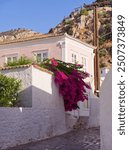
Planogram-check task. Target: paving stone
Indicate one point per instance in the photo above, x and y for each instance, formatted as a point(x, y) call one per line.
point(78, 139)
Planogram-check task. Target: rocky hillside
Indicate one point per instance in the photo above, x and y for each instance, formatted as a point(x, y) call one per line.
point(17, 34)
point(79, 24)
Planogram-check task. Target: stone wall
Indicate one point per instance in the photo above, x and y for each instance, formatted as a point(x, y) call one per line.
point(46, 117)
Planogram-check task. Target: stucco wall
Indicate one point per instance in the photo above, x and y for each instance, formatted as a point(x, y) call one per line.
point(106, 113)
point(60, 47)
point(44, 119)
point(81, 50)
point(28, 48)
point(94, 111)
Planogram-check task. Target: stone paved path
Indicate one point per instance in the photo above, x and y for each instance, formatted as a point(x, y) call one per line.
point(78, 139)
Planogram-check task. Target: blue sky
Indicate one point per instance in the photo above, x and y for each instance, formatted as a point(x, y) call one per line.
point(38, 15)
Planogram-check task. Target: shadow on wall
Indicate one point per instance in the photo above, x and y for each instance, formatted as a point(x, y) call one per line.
point(46, 118)
point(47, 98)
point(94, 111)
point(25, 97)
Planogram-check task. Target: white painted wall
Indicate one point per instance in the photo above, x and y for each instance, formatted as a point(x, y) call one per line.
point(103, 73)
point(94, 111)
point(45, 94)
point(46, 117)
point(106, 113)
point(81, 49)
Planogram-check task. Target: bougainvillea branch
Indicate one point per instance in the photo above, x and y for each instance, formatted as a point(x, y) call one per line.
point(70, 81)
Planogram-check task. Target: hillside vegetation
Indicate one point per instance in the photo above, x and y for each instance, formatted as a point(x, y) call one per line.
point(79, 24)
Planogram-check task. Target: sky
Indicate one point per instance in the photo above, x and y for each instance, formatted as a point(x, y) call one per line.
point(38, 15)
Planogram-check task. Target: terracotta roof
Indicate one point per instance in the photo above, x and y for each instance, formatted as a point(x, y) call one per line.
point(30, 38)
point(26, 66)
point(43, 37)
point(42, 69)
point(14, 67)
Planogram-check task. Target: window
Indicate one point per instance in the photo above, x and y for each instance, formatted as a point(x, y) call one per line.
point(14, 58)
point(41, 55)
point(8, 59)
point(74, 58)
point(84, 63)
point(11, 58)
point(45, 55)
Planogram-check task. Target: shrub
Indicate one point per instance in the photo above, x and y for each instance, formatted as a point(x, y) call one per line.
point(108, 27)
point(103, 64)
point(103, 14)
point(102, 40)
point(23, 60)
point(84, 12)
point(102, 53)
point(69, 22)
point(9, 88)
point(68, 29)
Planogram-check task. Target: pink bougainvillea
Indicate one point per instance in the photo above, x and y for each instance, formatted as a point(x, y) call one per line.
point(70, 81)
point(54, 62)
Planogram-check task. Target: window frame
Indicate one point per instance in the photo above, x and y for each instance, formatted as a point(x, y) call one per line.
point(12, 56)
point(75, 54)
point(41, 52)
point(85, 66)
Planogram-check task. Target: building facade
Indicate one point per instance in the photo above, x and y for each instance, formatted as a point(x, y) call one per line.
point(62, 47)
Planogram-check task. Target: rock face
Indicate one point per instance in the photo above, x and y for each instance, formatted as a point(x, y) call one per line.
point(17, 34)
point(79, 24)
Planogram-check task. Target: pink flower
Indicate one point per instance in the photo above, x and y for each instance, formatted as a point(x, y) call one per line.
point(60, 77)
point(54, 62)
point(63, 75)
point(70, 82)
point(88, 86)
point(79, 65)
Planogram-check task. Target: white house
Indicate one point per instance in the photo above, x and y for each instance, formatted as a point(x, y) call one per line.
point(62, 47)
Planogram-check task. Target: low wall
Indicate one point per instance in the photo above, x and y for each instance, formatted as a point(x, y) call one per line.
point(46, 117)
point(94, 111)
point(106, 113)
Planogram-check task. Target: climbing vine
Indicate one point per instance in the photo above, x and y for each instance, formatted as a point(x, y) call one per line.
point(70, 81)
